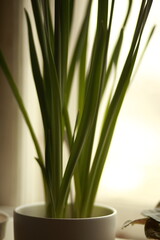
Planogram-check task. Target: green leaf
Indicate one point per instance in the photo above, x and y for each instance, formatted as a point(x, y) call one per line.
point(37, 76)
point(80, 43)
point(19, 100)
point(111, 117)
point(89, 115)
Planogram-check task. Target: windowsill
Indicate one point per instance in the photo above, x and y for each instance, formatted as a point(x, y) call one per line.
point(9, 230)
point(9, 226)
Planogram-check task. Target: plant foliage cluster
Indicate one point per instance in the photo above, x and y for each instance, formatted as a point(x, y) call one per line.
point(54, 83)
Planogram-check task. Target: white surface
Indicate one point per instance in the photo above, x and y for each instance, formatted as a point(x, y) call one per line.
point(9, 227)
point(9, 230)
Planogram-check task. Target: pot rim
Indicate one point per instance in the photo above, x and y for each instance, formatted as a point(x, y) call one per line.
point(25, 206)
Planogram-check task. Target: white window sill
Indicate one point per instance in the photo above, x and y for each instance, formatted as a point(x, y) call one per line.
point(9, 226)
point(9, 230)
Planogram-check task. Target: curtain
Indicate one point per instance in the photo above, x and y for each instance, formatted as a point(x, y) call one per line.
point(10, 33)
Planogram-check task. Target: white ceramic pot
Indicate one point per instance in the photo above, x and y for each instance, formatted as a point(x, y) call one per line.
point(30, 224)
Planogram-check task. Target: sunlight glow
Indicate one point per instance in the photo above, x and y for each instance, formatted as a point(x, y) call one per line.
point(133, 166)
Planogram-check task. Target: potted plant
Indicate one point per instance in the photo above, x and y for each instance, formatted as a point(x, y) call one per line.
point(53, 82)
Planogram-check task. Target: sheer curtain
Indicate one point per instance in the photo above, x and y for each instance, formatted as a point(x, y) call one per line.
point(19, 173)
point(10, 28)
